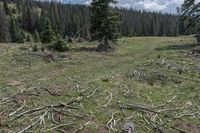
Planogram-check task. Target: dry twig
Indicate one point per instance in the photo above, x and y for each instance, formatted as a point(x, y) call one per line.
point(111, 95)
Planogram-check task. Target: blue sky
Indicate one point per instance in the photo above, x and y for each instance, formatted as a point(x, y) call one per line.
point(152, 5)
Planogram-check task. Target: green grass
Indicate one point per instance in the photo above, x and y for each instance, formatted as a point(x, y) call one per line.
point(108, 72)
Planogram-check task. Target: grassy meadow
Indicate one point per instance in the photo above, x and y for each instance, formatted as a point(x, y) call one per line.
point(153, 82)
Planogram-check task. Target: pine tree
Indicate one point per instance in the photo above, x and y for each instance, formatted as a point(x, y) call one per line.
point(74, 20)
point(13, 30)
point(36, 36)
point(48, 34)
point(28, 38)
point(104, 22)
point(5, 7)
point(4, 28)
point(190, 13)
point(20, 37)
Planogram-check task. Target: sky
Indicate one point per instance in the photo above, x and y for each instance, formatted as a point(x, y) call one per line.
point(151, 5)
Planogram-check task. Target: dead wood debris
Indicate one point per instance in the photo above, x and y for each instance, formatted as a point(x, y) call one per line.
point(137, 107)
point(41, 120)
point(82, 127)
point(55, 92)
point(92, 93)
point(47, 110)
point(17, 110)
point(58, 126)
point(67, 105)
point(153, 113)
point(110, 99)
point(111, 123)
point(152, 124)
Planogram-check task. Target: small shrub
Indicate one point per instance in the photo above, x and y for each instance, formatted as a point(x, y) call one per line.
point(20, 38)
point(43, 48)
point(36, 36)
point(28, 38)
point(23, 34)
point(59, 45)
point(35, 48)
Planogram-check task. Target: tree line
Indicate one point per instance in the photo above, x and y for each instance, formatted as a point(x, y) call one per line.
point(22, 20)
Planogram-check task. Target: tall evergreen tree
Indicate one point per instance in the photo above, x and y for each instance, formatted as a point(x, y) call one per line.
point(190, 12)
point(36, 36)
point(48, 34)
point(13, 30)
point(74, 20)
point(104, 22)
point(4, 27)
point(5, 6)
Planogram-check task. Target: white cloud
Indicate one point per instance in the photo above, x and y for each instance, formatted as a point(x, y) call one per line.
point(152, 5)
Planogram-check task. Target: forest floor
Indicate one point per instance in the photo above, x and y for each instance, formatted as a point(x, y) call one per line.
point(152, 82)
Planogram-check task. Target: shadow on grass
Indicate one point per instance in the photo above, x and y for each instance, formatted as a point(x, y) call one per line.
point(177, 47)
point(85, 49)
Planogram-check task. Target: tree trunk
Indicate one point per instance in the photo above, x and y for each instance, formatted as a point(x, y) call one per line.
point(104, 46)
point(198, 38)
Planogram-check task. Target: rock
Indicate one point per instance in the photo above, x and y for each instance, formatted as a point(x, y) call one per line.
point(129, 126)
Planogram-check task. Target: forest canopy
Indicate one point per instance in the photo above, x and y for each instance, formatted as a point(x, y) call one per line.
point(74, 20)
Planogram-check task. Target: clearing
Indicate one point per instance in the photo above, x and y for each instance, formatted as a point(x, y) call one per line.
point(152, 82)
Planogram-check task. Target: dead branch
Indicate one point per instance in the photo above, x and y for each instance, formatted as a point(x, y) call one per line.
point(111, 122)
point(5, 101)
point(58, 126)
point(136, 107)
point(53, 120)
point(68, 113)
point(40, 120)
point(13, 113)
point(76, 100)
point(2, 112)
point(28, 112)
point(82, 127)
point(129, 118)
point(111, 95)
point(92, 93)
point(189, 114)
point(52, 93)
point(170, 109)
point(48, 106)
point(112, 118)
point(152, 124)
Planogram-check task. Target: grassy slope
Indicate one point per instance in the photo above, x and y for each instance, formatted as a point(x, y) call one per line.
point(92, 70)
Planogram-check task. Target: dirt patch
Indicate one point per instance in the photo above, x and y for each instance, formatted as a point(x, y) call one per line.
point(102, 130)
point(187, 127)
point(20, 99)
